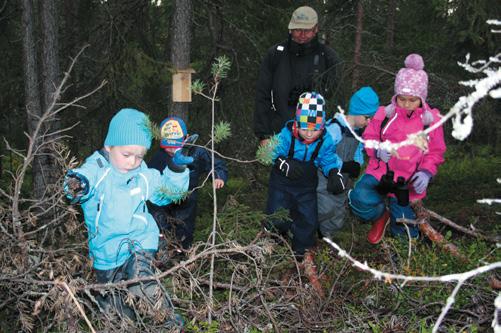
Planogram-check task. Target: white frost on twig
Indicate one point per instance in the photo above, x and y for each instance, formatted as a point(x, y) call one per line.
point(489, 201)
point(495, 322)
point(460, 278)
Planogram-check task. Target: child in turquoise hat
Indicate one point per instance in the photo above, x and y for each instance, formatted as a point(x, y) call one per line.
point(331, 207)
point(112, 187)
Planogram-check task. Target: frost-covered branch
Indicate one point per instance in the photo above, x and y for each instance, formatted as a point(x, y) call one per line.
point(460, 278)
point(491, 201)
point(461, 112)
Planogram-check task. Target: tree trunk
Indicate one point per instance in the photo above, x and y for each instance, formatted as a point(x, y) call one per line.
point(358, 46)
point(37, 102)
point(50, 57)
point(32, 95)
point(181, 47)
point(390, 25)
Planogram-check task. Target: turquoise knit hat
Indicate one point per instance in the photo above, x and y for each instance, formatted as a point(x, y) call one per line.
point(129, 127)
point(364, 102)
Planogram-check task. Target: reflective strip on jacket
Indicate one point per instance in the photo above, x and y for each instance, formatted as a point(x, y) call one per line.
point(115, 209)
point(410, 158)
point(326, 160)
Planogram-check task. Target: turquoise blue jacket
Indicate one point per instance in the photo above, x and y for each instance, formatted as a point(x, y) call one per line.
point(115, 211)
point(334, 130)
point(326, 160)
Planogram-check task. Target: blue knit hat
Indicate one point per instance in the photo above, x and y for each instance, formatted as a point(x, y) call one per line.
point(129, 127)
point(364, 102)
point(173, 132)
point(310, 113)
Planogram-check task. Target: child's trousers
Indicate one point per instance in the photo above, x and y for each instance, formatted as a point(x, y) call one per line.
point(185, 215)
point(366, 203)
point(300, 198)
point(139, 264)
point(331, 207)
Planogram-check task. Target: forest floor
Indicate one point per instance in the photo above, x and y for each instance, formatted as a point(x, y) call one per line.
point(357, 302)
point(258, 286)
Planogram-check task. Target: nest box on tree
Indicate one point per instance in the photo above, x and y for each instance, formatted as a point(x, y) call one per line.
point(181, 85)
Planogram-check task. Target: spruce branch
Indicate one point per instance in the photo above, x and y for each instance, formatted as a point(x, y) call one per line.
point(152, 128)
point(173, 194)
point(264, 153)
point(222, 131)
point(220, 68)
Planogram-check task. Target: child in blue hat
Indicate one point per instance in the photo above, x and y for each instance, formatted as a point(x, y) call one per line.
point(303, 147)
point(174, 136)
point(331, 208)
point(112, 187)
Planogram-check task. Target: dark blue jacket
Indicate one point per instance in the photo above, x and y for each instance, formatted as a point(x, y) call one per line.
point(200, 165)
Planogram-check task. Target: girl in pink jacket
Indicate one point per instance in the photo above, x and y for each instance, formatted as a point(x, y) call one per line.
point(404, 176)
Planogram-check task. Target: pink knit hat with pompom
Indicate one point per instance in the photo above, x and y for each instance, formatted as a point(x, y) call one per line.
point(412, 80)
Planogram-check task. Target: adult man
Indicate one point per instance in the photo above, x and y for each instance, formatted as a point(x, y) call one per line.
point(290, 68)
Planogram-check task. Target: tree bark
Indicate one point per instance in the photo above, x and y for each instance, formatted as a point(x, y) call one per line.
point(390, 25)
point(37, 100)
point(31, 91)
point(50, 54)
point(181, 47)
point(358, 46)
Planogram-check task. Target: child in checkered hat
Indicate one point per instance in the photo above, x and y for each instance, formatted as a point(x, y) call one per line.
point(302, 148)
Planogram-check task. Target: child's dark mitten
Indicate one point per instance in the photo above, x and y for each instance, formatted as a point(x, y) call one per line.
point(289, 168)
point(352, 168)
point(75, 186)
point(335, 184)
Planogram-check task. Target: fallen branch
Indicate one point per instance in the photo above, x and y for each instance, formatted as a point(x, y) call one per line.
point(79, 307)
point(423, 219)
point(439, 239)
point(451, 224)
point(310, 270)
point(460, 278)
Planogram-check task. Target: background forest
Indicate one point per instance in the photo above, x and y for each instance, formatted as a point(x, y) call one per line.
point(132, 46)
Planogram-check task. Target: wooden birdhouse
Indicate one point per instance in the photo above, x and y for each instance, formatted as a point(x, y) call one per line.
point(181, 85)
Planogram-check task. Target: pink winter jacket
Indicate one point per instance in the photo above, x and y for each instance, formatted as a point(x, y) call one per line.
point(410, 158)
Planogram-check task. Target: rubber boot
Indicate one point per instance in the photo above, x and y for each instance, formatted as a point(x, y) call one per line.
point(378, 227)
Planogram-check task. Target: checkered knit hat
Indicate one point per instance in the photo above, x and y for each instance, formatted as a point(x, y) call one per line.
point(310, 112)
